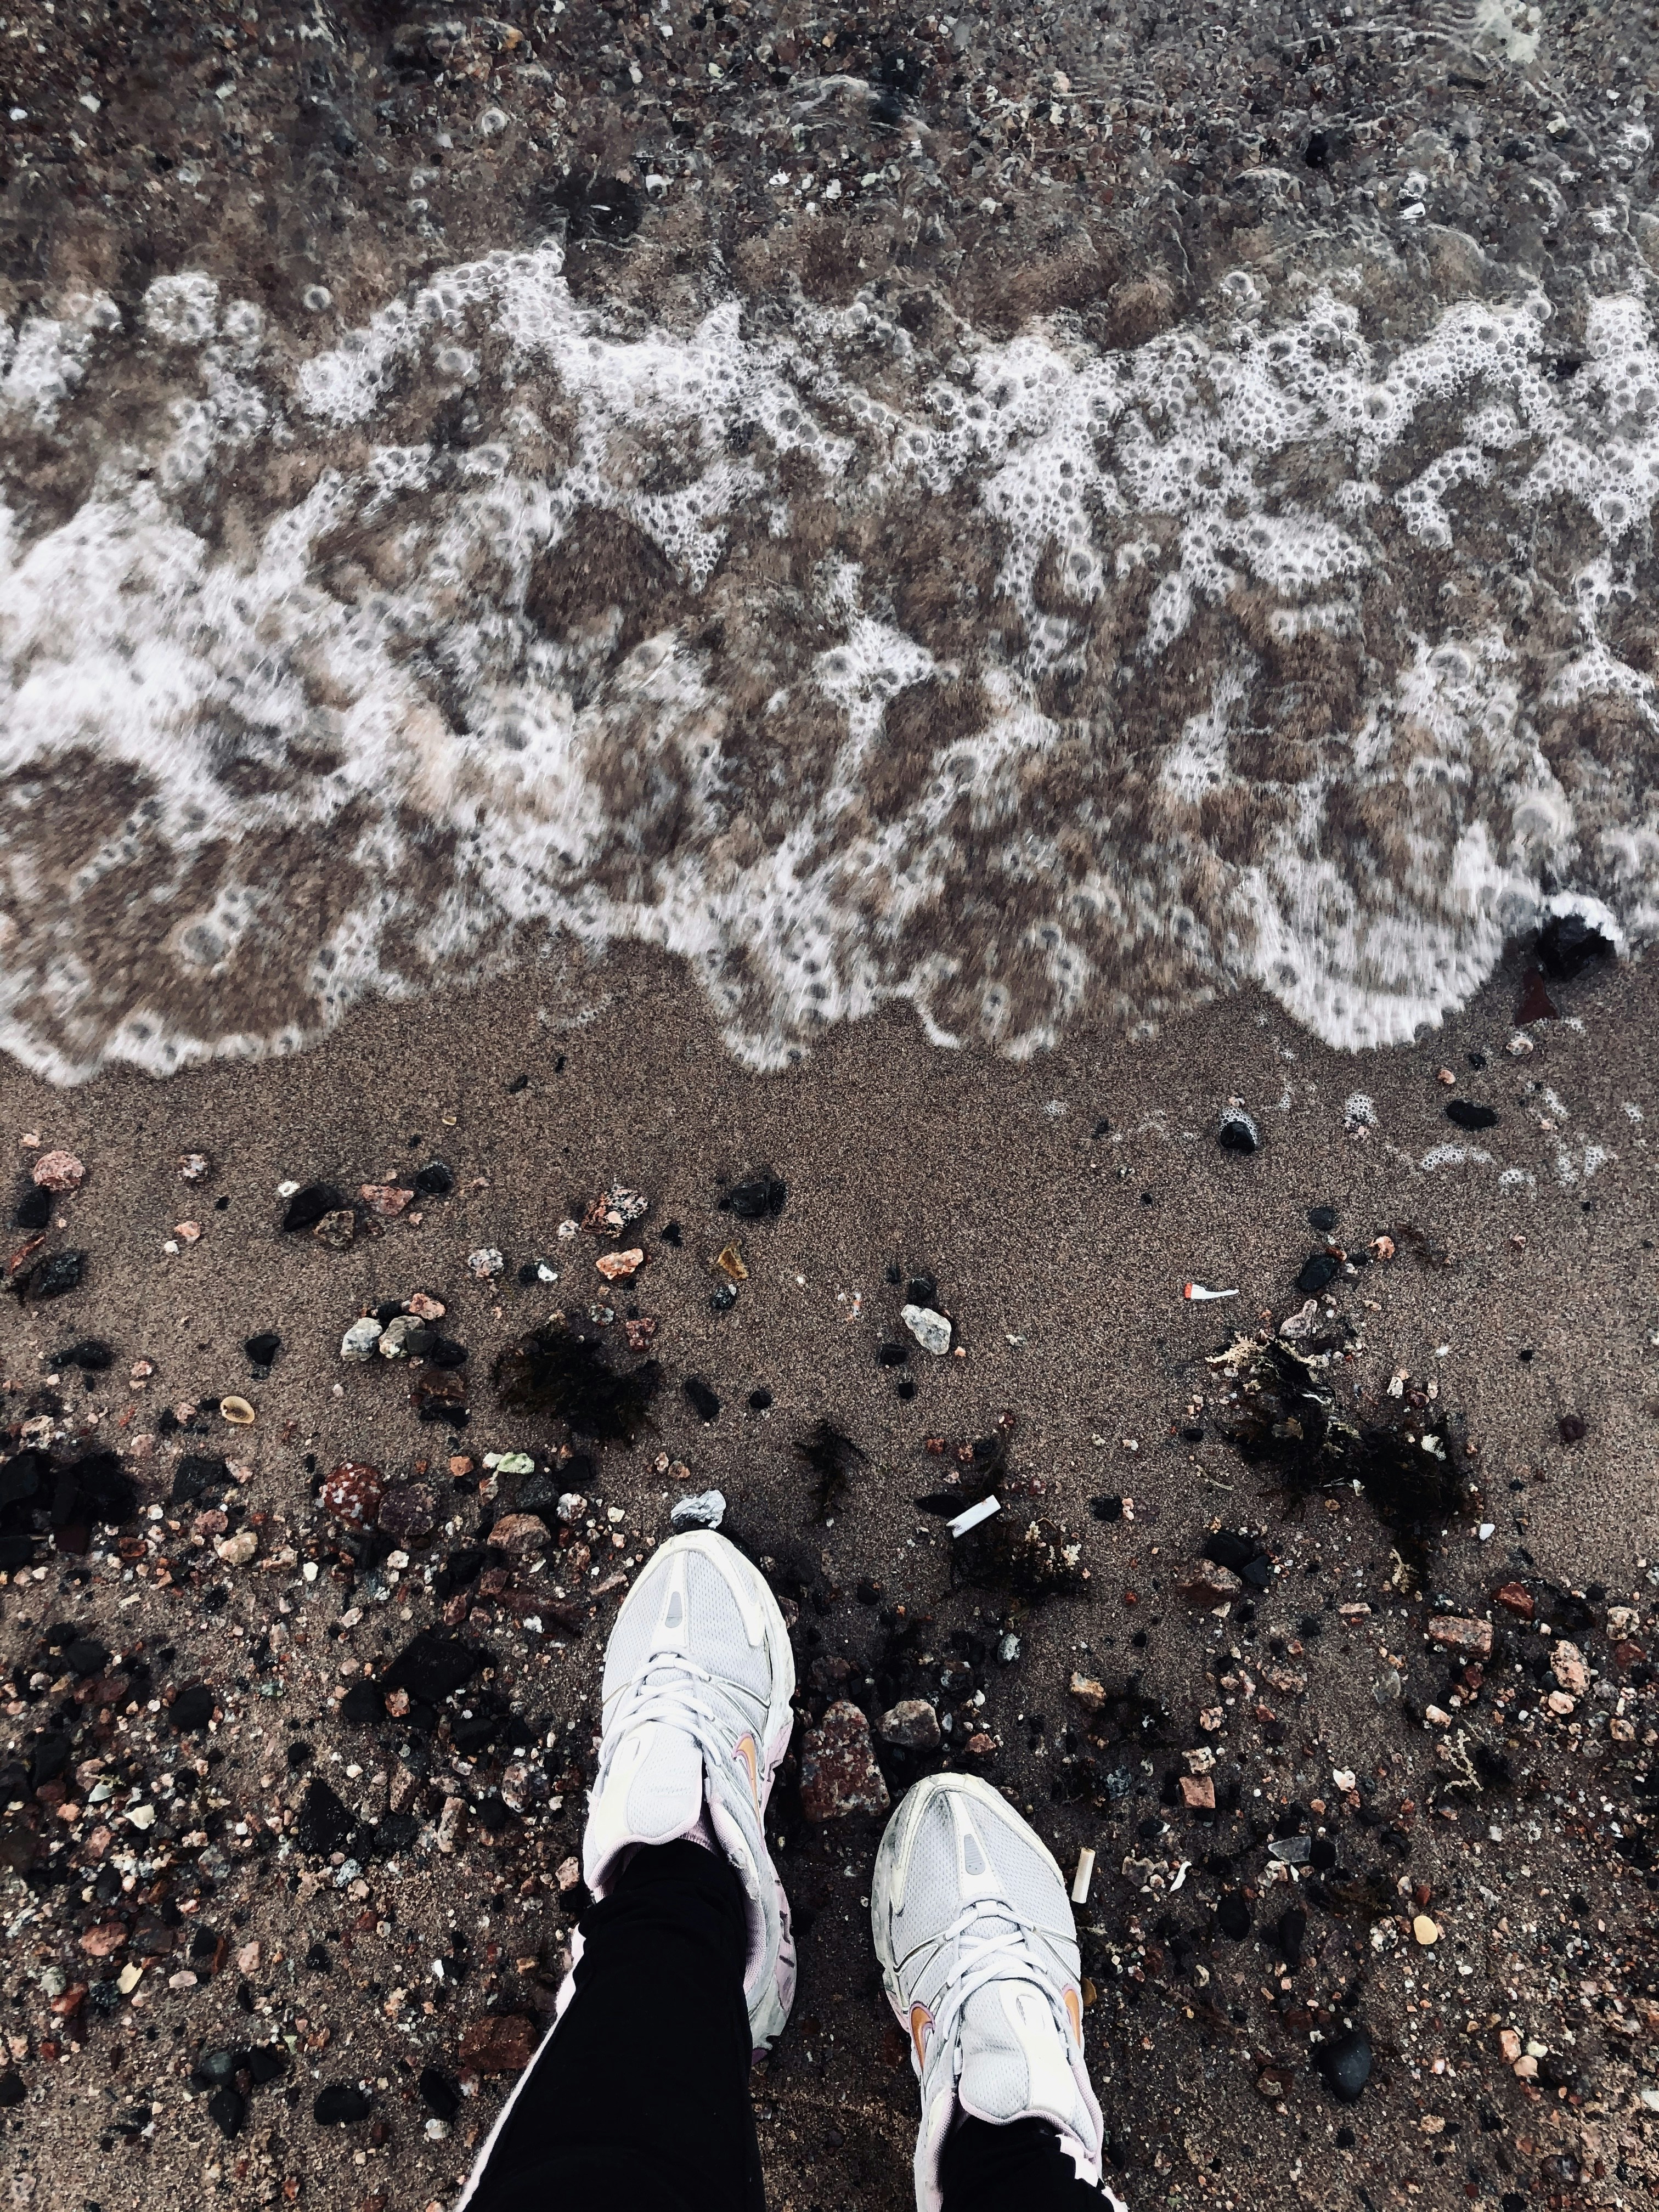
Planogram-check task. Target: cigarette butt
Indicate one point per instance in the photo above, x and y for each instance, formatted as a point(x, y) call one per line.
point(973, 1516)
point(1201, 1290)
point(1083, 1877)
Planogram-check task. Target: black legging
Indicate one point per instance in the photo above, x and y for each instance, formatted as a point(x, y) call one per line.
point(642, 2096)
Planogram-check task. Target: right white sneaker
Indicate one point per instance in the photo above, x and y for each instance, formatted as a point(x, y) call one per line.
point(698, 1679)
point(979, 1957)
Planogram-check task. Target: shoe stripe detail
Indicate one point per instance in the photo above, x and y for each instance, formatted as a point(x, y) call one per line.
point(921, 2026)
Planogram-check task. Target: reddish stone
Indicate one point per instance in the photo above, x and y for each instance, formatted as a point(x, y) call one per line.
point(1454, 1633)
point(1515, 1600)
point(58, 1171)
point(838, 1771)
point(499, 2044)
point(353, 1493)
point(409, 1510)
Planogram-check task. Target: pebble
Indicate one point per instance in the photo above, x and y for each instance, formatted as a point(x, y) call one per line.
point(501, 2043)
point(838, 1771)
point(617, 1267)
point(1345, 2064)
point(930, 1329)
point(1570, 1672)
point(360, 1339)
point(58, 1171)
point(1088, 1692)
point(522, 1533)
point(1455, 1633)
point(1237, 1132)
point(342, 2104)
point(405, 1336)
point(1426, 1930)
point(408, 1512)
point(388, 1199)
point(236, 1551)
point(912, 1724)
point(704, 1510)
point(353, 1493)
point(337, 1229)
point(485, 1262)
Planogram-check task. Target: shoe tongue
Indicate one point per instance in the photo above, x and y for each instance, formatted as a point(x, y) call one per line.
point(665, 1792)
point(995, 2082)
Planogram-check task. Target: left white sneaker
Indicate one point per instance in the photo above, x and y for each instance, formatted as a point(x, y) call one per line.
point(698, 1677)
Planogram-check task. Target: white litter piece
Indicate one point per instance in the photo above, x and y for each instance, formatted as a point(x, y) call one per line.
point(705, 1510)
point(1196, 1291)
point(975, 1514)
point(1083, 1877)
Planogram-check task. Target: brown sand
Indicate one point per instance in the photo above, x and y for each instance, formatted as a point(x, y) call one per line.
point(1060, 1245)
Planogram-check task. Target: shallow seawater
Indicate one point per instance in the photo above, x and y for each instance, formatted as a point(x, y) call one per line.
point(850, 653)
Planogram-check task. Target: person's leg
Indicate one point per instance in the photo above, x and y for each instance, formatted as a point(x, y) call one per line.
point(640, 2094)
point(979, 1956)
point(684, 1965)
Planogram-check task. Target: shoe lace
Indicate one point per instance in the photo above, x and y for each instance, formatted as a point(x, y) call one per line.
point(672, 1689)
point(994, 1945)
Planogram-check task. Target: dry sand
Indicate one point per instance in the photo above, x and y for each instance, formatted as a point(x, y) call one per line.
point(1060, 1205)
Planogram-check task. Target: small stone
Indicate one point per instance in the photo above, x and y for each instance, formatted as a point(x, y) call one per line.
point(912, 1724)
point(343, 2104)
point(388, 1199)
point(408, 1511)
point(485, 1262)
point(1198, 1792)
point(1467, 1116)
point(360, 1339)
point(58, 1171)
point(1381, 1248)
point(1345, 2064)
point(523, 1787)
point(426, 1309)
point(1570, 1672)
point(1426, 1930)
point(1088, 1692)
point(501, 2043)
point(227, 2108)
point(1508, 2045)
point(639, 1331)
point(262, 1349)
point(1515, 1598)
point(616, 1267)
point(1205, 1583)
point(353, 1493)
point(336, 1230)
point(1316, 1270)
point(433, 1664)
point(838, 1771)
point(705, 1509)
point(1454, 1633)
point(567, 1874)
point(1560, 1704)
point(520, 1533)
point(236, 1551)
point(930, 1329)
point(192, 1166)
point(1291, 1851)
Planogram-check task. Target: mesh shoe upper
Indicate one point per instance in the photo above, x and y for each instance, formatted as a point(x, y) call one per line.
point(698, 1678)
point(974, 1931)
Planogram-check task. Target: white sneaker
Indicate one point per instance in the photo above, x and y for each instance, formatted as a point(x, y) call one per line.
point(698, 1677)
point(979, 1956)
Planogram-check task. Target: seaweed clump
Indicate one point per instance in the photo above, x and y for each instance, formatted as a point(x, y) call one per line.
point(554, 1372)
point(1287, 1419)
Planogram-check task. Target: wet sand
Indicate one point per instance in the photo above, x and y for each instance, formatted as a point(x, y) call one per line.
point(1061, 1205)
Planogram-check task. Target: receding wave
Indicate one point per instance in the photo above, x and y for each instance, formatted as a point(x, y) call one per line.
point(850, 653)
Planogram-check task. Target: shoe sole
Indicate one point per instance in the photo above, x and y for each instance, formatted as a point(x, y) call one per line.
point(780, 1726)
point(893, 1853)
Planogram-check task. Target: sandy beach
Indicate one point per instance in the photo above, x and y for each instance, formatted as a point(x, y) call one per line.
point(1060, 1206)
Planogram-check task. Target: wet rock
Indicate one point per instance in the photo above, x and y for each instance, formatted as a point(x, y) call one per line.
point(58, 1172)
point(12, 2091)
point(433, 1664)
point(704, 1400)
point(501, 2043)
point(307, 1207)
point(343, 2104)
point(1324, 1219)
point(1237, 1132)
point(363, 1705)
point(194, 1475)
point(1571, 1428)
point(1345, 2064)
point(1232, 1916)
point(1291, 1934)
point(762, 1198)
point(930, 1329)
point(262, 1349)
point(1467, 1116)
point(1454, 1633)
point(408, 1511)
point(360, 1339)
point(191, 1709)
point(520, 1533)
point(227, 2109)
point(838, 1771)
point(1567, 943)
point(439, 2093)
point(433, 1180)
point(1316, 1270)
point(353, 1493)
point(54, 1278)
point(34, 1208)
point(912, 1724)
point(323, 1823)
point(705, 1509)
